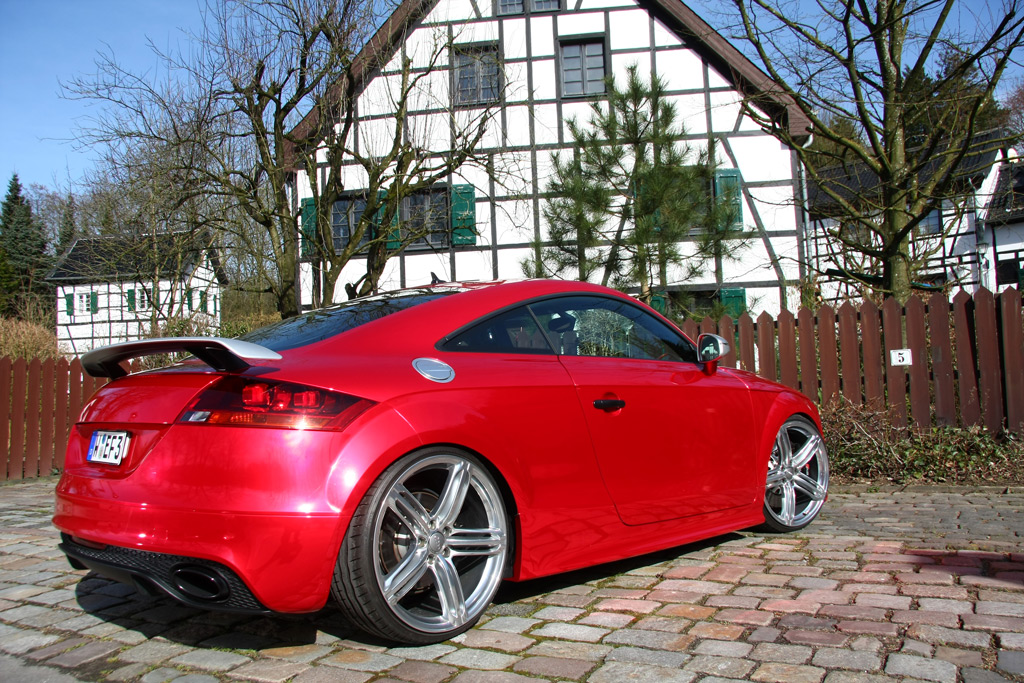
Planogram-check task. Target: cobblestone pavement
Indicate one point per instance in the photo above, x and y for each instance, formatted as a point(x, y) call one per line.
point(886, 586)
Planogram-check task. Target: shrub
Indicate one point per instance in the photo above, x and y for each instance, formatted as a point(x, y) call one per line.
point(862, 444)
point(21, 339)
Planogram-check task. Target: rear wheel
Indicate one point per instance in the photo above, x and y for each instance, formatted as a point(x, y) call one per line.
point(797, 481)
point(425, 551)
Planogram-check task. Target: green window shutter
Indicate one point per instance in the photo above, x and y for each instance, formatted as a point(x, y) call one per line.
point(131, 299)
point(463, 215)
point(308, 227)
point(94, 302)
point(202, 301)
point(69, 301)
point(727, 185)
point(188, 299)
point(394, 231)
point(215, 305)
point(735, 301)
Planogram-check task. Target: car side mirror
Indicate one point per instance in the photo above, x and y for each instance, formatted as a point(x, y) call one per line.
point(710, 349)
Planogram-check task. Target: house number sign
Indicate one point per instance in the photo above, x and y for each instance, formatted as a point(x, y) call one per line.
point(900, 357)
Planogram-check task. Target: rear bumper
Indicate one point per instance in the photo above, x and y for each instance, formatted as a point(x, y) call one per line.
point(284, 562)
point(193, 581)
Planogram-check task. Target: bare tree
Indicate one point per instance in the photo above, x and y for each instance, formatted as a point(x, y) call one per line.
point(895, 90)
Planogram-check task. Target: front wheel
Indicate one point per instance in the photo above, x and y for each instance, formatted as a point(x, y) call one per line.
point(425, 551)
point(797, 482)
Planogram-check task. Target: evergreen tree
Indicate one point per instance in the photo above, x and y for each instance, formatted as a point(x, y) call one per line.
point(24, 243)
point(632, 196)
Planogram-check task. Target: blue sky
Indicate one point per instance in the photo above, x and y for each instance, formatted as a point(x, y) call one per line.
point(43, 42)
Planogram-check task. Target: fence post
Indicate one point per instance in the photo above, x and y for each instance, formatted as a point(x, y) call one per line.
point(990, 382)
point(942, 359)
point(871, 340)
point(16, 462)
point(895, 376)
point(5, 413)
point(809, 383)
point(31, 470)
point(60, 427)
point(787, 350)
point(46, 424)
point(920, 389)
point(966, 372)
point(849, 354)
point(727, 331)
point(828, 357)
point(766, 347)
point(747, 342)
point(1013, 358)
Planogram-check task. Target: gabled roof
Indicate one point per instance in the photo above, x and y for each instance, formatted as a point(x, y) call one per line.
point(167, 256)
point(727, 60)
point(1007, 205)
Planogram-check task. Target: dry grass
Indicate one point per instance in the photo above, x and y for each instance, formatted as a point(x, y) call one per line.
point(21, 339)
point(863, 445)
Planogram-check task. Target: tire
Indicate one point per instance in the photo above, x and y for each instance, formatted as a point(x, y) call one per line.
point(797, 483)
point(425, 551)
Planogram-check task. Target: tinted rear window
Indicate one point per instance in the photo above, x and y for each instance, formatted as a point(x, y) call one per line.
point(324, 323)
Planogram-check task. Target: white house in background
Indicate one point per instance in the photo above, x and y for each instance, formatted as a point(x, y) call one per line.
point(110, 290)
point(974, 240)
point(1001, 228)
point(536, 64)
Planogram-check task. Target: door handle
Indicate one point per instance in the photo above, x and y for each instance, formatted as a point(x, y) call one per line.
point(609, 405)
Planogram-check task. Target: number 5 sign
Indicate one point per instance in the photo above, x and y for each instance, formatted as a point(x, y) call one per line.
point(900, 357)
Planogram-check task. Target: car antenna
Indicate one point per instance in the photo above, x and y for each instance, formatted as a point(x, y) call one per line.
point(434, 279)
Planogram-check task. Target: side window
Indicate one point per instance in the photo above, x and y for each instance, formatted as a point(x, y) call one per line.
point(611, 328)
point(514, 331)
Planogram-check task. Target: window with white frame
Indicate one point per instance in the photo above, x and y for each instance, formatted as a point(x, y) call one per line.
point(583, 68)
point(521, 6)
point(83, 303)
point(425, 213)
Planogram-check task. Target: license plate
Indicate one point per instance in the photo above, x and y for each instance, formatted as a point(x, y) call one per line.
point(108, 447)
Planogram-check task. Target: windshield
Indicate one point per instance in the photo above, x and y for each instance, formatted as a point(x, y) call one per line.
point(323, 323)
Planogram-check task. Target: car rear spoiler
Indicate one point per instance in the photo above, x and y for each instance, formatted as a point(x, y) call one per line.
point(224, 355)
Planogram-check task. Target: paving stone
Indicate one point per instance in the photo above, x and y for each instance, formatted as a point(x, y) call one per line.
point(643, 656)
point(81, 656)
point(421, 672)
point(920, 667)
point(961, 658)
point(706, 629)
point(836, 658)
point(268, 670)
point(479, 659)
point(556, 667)
point(589, 634)
point(25, 641)
point(297, 653)
point(496, 640)
point(621, 672)
point(152, 652)
point(331, 674)
point(1011, 662)
point(787, 654)
point(361, 660)
point(569, 650)
point(557, 613)
point(210, 660)
point(939, 634)
point(128, 673)
point(974, 675)
point(423, 652)
point(613, 620)
point(160, 675)
point(657, 640)
point(723, 648)
point(510, 624)
point(787, 673)
point(728, 667)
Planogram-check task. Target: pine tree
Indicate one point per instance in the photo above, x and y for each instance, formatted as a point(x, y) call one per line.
point(24, 243)
point(631, 195)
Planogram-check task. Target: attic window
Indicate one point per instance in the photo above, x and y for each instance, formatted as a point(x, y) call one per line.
point(477, 75)
point(522, 6)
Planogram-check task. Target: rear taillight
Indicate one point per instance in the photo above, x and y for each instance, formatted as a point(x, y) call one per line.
point(260, 403)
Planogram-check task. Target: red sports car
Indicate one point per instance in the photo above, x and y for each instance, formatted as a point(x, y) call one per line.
point(407, 452)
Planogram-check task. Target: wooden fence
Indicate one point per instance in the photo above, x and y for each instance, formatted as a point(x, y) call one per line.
point(967, 368)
